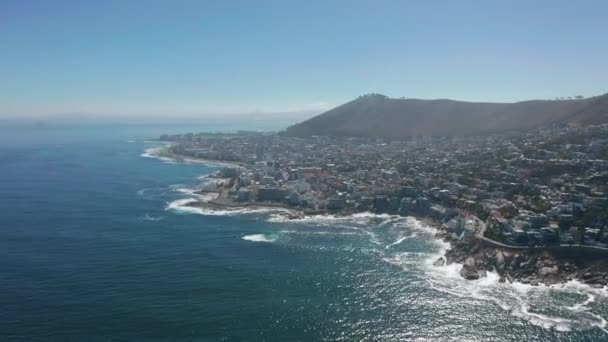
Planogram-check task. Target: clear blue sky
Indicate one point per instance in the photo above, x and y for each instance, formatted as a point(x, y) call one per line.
point(175, 57)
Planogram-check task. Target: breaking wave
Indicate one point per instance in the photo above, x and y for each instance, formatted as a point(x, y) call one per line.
point(153, 193)
point(400, 240)
point(148, 217)
point(185, 206)
point(201, 197)
point(154, 152)
point(517, 299)
point(260, 238)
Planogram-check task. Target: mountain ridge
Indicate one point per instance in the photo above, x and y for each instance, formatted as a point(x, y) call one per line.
point(379, 116)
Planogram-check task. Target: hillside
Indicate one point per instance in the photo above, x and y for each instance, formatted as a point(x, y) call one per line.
point(379, 116)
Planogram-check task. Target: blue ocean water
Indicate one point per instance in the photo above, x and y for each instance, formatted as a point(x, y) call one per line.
point(94, 245)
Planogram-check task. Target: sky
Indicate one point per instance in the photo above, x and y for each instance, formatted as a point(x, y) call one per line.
point(178, 57)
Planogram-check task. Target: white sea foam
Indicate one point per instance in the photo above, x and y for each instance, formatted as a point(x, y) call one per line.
point(366, 222)
point(516, 298)
point(260, 238)
point(325, 219)
point(583, 306)
point(153, 152)
point(400, 240)
point(185, 206)
point(143, 192)
point(405, 260)
point(187, 191)
point(420, 226)
point(202, 197)
point(306, 232)
point(149, 217)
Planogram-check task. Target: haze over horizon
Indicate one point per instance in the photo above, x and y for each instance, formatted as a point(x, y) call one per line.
point(165, 59)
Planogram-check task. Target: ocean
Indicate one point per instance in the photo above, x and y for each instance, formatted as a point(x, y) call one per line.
point(97, 245)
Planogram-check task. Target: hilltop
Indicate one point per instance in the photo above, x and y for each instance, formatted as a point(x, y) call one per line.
point(383, 117)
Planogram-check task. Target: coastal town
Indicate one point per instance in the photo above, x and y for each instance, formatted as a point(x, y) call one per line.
point(527, 192)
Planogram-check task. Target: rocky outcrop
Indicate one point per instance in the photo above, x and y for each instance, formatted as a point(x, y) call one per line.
point(469, 270)
point(439, 262)
point(525, 266)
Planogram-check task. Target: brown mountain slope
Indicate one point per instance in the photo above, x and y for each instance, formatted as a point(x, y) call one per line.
point(383, 117)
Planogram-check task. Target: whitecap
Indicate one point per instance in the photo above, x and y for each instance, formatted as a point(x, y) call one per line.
point(404, 259)
point(360, 218)
point(152, 192)
point(149, 217)
point(400, 240)
point(153, 152)
point(260, 238)
point(202, 197)
point(185, 206)
point(516, 298)
point(305, 232)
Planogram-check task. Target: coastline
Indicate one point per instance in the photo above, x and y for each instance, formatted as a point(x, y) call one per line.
point(295, 213)
point(532, 267)
point(165, 152)
point(525, 266)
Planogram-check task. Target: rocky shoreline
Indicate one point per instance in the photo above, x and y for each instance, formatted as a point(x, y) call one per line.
point(532, 267)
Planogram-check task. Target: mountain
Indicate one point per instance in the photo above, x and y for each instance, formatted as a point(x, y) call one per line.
point(382, 117)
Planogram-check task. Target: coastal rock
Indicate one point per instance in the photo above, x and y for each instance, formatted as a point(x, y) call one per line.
point(474, 248)
point(439, 262)
point(545, 271)
point(525, 266)
point(595, 278)
point(500, 261)
point(469, 270)
point(549, 275)
point(597, 281)
point(295, 216)
point(508, 256)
